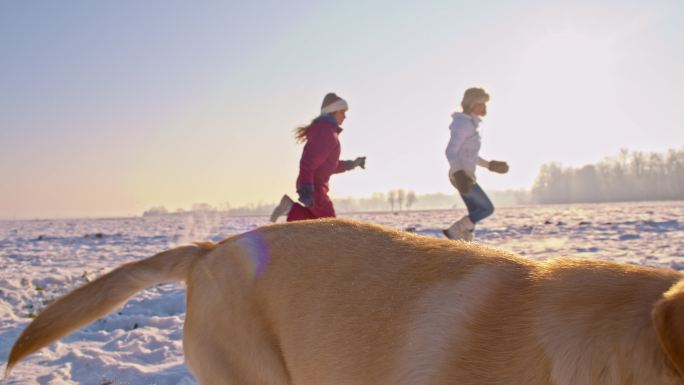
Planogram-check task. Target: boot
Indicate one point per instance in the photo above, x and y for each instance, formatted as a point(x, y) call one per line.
point(283, 208)
point(462, 229)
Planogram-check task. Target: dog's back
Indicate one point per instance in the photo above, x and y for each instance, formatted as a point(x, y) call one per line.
point(340, 302)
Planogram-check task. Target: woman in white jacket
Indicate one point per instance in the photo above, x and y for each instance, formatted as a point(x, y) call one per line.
point(463, 153)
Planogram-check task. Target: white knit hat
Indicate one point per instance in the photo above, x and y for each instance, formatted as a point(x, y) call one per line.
point(332, 103)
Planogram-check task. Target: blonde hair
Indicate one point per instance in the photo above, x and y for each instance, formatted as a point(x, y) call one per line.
point(330, 99)
point(300, 133)
point(472, 96)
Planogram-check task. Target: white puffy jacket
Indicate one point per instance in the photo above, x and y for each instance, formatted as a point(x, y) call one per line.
point(464, 146)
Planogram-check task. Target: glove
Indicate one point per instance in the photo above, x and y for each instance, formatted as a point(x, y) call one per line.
point(462, 181)
point(305, 192)
point(498, 166)
point(360, 162)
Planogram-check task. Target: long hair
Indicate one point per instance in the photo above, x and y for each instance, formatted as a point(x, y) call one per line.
point(300, 133)
point(333, 103)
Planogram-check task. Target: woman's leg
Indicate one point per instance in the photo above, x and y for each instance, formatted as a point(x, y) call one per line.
point(478, 204)
point(479, 207)
point(300, 213)
point(322, 208)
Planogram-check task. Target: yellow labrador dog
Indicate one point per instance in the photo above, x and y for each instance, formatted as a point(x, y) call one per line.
point(346, 303)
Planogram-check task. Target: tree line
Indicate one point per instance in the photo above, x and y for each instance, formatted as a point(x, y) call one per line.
point(630, 176)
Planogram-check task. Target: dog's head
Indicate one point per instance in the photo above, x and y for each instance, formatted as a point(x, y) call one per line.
point(668, 317)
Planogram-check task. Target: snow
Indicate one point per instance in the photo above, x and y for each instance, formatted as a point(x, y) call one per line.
point(141, 343)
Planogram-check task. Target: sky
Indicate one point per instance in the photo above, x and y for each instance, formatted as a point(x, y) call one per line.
point(111, 108)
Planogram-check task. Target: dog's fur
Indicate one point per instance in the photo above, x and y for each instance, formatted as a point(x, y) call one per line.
point(345, 303)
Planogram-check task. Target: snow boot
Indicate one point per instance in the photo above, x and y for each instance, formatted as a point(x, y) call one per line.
point(461, 229)
point(283, 207)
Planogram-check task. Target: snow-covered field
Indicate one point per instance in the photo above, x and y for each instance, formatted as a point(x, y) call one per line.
point(141, 343)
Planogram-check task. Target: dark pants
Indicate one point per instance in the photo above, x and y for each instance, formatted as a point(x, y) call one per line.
point(478, 203)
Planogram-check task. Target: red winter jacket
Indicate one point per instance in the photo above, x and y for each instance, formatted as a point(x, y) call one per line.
point(321, 155)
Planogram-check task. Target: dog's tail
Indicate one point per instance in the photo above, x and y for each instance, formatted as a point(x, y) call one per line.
point(102, 296)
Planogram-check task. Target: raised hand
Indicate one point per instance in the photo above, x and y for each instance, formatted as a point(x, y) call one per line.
point(498, 166)
point(360, 162)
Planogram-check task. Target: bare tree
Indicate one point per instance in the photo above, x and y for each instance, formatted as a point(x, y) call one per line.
point(410, 199)
point(401, 194)
point(391, 198)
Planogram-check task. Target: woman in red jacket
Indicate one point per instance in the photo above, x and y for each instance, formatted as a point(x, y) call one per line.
point(320, 159)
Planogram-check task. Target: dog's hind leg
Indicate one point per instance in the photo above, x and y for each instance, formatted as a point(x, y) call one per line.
point(226, 338)
point(234, 353)
point(216, 365)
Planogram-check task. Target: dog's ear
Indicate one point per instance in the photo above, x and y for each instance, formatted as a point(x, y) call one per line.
point(668, 319)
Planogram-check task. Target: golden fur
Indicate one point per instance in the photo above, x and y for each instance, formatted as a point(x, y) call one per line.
point(346, 303)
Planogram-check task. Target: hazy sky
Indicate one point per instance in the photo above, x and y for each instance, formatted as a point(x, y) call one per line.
point(112, 107)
